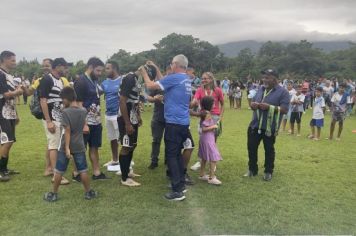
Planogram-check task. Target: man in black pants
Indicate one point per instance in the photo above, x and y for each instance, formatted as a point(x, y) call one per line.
point(158, 123)
point(269, 104)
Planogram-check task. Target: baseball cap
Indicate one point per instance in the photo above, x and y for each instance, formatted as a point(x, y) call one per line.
point(270, 72)
point(59, 62)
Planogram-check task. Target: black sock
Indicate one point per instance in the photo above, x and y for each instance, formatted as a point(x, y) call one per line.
point(124, 166)
point(130, 158)
point(3, 163)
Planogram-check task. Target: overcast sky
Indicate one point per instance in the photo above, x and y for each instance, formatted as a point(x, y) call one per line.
point(78, 29)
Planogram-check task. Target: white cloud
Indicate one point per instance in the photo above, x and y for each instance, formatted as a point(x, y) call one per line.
point(83, 28)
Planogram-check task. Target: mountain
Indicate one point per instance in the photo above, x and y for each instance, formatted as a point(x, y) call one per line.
point(233, 48)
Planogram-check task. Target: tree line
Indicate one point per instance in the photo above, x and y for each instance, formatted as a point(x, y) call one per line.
point(297, 60)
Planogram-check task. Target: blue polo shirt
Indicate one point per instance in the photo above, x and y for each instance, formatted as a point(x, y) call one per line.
point(177, 94)
point(111, 89)
point(279, 96)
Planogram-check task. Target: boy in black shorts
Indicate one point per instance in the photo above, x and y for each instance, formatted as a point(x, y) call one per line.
point(129, 122)
point(71, 145)
point(8, 115)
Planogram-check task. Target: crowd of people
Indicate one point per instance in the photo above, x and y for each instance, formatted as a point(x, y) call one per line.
point(71, 116)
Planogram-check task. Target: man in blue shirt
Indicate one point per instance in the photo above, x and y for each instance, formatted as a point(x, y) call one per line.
point(269, 104)
point(88, 96)
point(177, 94)
point(111, 87)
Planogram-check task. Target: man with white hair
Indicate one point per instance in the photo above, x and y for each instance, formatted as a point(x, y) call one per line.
point(177, 94)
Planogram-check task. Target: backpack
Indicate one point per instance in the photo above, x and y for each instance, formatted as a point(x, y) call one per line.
point(35, 104)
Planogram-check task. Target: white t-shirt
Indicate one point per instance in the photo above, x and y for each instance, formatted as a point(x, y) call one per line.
point(319, 104)
point(329, 91)
point(296, 107)
point(336, 103)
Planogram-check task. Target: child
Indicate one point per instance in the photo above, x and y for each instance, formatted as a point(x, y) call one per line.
point(208, 151)
point(338, 101)
point(237, 97)
point(297, 109)
point(286, 117)
point(318, 114)
point(71, 145)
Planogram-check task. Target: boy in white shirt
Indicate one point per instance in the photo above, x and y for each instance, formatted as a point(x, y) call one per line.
point(318, 114)
point(338, 101)
point(297, 110)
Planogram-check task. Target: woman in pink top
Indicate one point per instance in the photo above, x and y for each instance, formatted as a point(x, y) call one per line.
point(209, 88)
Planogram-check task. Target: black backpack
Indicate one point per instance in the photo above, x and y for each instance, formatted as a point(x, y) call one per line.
point(35, 105)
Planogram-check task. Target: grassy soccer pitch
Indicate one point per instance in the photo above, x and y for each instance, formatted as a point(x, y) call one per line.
point(313, 190)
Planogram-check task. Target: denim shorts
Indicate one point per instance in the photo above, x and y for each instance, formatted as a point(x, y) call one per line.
point(317, 122)
point(79, 160)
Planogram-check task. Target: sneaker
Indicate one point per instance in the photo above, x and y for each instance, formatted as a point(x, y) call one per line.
point(11, 172)
point(76, 178)
point(267, 177)
point(214, 181)
point(50, 197)
point(111, 163)
point(188, 180)
point(130, 183)
point(132, 174)
point(102, 176)
point(4, 177)
point(90, 195)
point(153, 166)
point(185, 190)
point(64, 181)
point(195, 167)
point(250, 174)
point(175, 196)
point(204, 177)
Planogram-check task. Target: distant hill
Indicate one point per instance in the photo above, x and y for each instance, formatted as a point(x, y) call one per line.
point(233, 48)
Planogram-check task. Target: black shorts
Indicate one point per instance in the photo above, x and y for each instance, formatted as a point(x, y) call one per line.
point(296, 117)
point(189, 142)
point(7, 131)
point(94, 136)
point(125, 139)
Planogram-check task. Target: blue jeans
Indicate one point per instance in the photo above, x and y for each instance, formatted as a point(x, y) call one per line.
point(174, 137)
point(79, 160)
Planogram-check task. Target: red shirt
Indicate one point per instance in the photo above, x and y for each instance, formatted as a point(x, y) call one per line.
point(217, 94)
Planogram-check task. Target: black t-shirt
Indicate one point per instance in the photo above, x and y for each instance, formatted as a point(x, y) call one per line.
point(131, 88)
point(50, 87)
point(7, 106)
point(158, 111)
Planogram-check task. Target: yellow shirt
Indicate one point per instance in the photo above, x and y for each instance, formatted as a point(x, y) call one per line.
point(36, 83)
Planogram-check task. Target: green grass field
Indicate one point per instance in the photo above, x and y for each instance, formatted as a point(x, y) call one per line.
point(313, 190)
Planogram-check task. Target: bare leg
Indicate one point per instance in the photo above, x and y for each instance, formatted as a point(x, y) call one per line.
point(114, 150)
point(212, 169)
point(341, 126)
point(298, 128)
point(313, 131)
point(94, 158)
point(56, 181)
point(53, 158)
point(202, 167)
point(332, 128)
point(187, 153)
point(318, 132)
point(292, 128)
point(85, 180)
point(48, 168)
